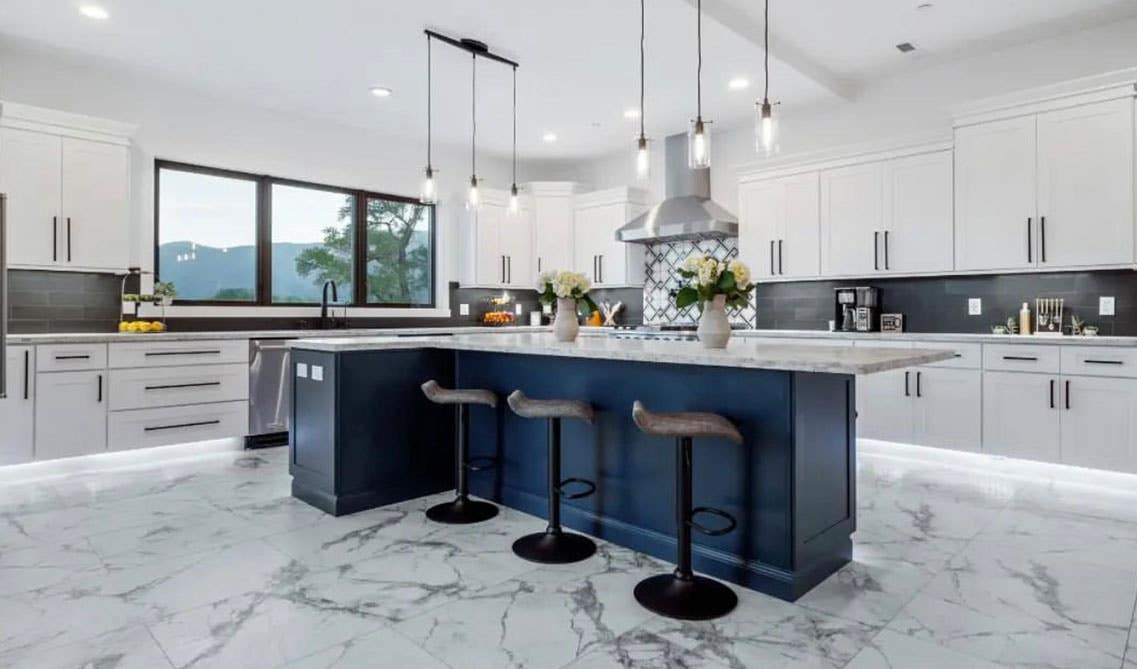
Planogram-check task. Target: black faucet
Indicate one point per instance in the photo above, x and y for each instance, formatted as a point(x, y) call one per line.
point(324, 304)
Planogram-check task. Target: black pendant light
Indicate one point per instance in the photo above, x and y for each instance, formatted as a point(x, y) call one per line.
point(698, 136)
point(643, 158)
point(514, 205)
point(429, 193)
point(765, 125)
point(472, 194)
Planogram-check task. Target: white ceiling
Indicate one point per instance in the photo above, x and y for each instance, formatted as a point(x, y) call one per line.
point(579, 58)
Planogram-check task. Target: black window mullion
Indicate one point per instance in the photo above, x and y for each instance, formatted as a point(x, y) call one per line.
point(264, 241)
point(359, 253)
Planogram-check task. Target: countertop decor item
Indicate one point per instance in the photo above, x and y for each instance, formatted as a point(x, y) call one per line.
point(569, 290)
point(714, 285)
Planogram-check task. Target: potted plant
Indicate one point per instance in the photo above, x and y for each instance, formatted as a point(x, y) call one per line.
point(714, 285)
point(164, 293)
point(569, 290)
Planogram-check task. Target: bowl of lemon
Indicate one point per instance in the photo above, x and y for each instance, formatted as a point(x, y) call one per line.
point(141, 327)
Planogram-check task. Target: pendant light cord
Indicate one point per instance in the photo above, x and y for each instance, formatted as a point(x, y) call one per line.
point(699, 71)
point(642, 31)
point(515, 127)
point(766, 62)
point(473, 116)
point(429, 113)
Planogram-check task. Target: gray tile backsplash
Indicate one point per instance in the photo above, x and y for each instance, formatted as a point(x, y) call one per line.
point(40, 301)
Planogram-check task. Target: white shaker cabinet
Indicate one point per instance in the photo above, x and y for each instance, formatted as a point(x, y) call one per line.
point(552, 220)
point(916, 228)
point(947, 407)
point(1099, 422)
point(851, 217)
point(1085, 185)
point(884, 406)
point(30, 172)
point(1021, 416)
point(605, 260)
point(995, 195)
point(95, 221)
point(779, 227)
point(17, 416)
point(71, 414)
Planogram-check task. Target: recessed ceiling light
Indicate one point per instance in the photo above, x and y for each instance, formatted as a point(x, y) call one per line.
point(906, 47)
point(381, 91)
point(631, 113)
point(94, 12)
point(549, 137)
point(924, 6)
point(739, 83)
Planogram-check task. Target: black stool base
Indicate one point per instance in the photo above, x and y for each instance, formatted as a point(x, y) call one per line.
point(461, 511)
point(554, 547)
point(699, 598)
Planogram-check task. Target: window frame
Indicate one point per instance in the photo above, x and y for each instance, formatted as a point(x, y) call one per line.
point(263, 237)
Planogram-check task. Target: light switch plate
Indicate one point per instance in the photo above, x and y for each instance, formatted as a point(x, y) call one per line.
point(317, 373)
point(975, 306)
point(301, 370)
point(517, 309)
point(1106, 306)
point(463, 310)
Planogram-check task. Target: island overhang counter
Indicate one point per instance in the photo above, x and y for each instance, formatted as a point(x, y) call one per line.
point(363, 435)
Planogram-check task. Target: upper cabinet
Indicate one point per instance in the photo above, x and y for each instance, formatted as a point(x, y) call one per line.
point(606, 261)
point(502, 242)
point(778, 227)
point(553, 221)
point(917, 213)
point(851, 219)
point(1049, 189)
point(68, 184)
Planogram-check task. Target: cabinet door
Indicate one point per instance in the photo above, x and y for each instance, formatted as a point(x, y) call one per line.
point(517, 246)
point(918, 214)
point(1099, 422)
point(800, 254)
point(552, 234)
point(95, 227)
point(17, 417)
point(1085, 185)
point(71, 414)
point(884, 406)
point(995, 195)
point(947, 408)
point(490, 269)
point(851, 220)
point(588, 227)
point(761, 210)
point(29, 174)
point(1021, 415)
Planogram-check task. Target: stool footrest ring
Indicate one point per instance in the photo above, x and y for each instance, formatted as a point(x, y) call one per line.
point(703, 529)
point(481, 463)
point(591, 488)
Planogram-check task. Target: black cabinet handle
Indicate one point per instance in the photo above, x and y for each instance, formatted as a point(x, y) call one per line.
point(54, 239)
point(1042, 238)
point(906, 375)
point(602, 268)
point(781, 270)
point(72, 357)
point(165, 353)
point(1024, 358)
point(772, 270)
point(1051, 393)
point(876, 250)
point(886, 267)
point(172, 386)
point(68, 239)
point(1067, 394)
point(919, 393)
point(180, 426)
point(1029, 239)
point(27, 372)
point(1104, 362)
point(100, 388)
point(538, 264)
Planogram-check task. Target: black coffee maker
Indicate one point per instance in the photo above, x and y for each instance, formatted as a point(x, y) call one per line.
point(857, 309)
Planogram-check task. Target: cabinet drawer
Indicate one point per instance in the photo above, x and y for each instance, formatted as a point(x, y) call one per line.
point(144, 428)
point(967, 356)
point(1099, 361)
point(143, 388)
point(1021, 358)
point(70, 357)
point(163, 354)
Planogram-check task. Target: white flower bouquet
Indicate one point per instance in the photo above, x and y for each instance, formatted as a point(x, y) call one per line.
point(575, 286)
point(708, 277)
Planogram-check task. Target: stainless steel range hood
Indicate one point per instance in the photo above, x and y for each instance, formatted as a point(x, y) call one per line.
point(688, 212)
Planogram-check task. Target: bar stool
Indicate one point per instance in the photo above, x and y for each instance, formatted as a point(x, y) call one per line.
point(554, 546)
point(682, 594)
point(462, 510)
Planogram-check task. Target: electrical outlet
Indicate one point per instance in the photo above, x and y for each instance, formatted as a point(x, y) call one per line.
point(975, 306)
point(1105, 306)
point(463, 310)
point(517, 309)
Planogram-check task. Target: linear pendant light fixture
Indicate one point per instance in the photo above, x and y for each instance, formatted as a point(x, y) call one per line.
point(476, 49)
point(429, 193)
point(698, 136)
point(766, 126)
point(643, 158)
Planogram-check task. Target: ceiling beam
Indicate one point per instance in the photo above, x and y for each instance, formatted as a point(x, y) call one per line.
point(749, 28)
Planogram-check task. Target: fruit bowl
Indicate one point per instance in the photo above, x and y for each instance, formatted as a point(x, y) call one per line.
point(141, 327)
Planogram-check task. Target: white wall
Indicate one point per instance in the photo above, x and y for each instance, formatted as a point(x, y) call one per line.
point(180, 123)
point(915, 104)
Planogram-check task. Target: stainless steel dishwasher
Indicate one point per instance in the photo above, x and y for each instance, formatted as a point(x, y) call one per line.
point(270, 393)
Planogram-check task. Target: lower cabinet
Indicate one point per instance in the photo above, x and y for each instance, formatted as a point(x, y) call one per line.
point(1020, 415)
point(17, 409)
point(884, 409)
point(1099, 422)
point(71, 414)
point(143, 428)
point(929, 406)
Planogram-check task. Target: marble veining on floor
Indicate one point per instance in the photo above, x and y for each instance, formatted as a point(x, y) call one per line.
point(208, 562)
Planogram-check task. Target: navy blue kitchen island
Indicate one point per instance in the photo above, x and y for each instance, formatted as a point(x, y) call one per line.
point(363, 435)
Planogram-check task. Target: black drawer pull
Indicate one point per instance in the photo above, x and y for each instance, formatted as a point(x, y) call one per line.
point(72, 357)
point(1025, 358)
point(160, 353)
point(180, 426)
point(1104, 362)
point(173, 386)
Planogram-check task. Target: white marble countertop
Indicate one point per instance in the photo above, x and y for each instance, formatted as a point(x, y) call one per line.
point(739, 353)
point(944, 337)
point(123, 337)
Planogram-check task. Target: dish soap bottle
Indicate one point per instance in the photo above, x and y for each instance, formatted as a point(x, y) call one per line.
point(1024, 319)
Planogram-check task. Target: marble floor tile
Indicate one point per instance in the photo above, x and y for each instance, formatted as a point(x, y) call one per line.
point(868, 592)
point(1064, 535)
point(43, 565)
point(174, 537)
point(891, 650)
point(640, 649)
point(382, 648)
point(130, 648)
point(767, 632)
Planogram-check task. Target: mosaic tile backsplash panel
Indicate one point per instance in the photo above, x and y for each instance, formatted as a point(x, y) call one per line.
point(663, 281)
